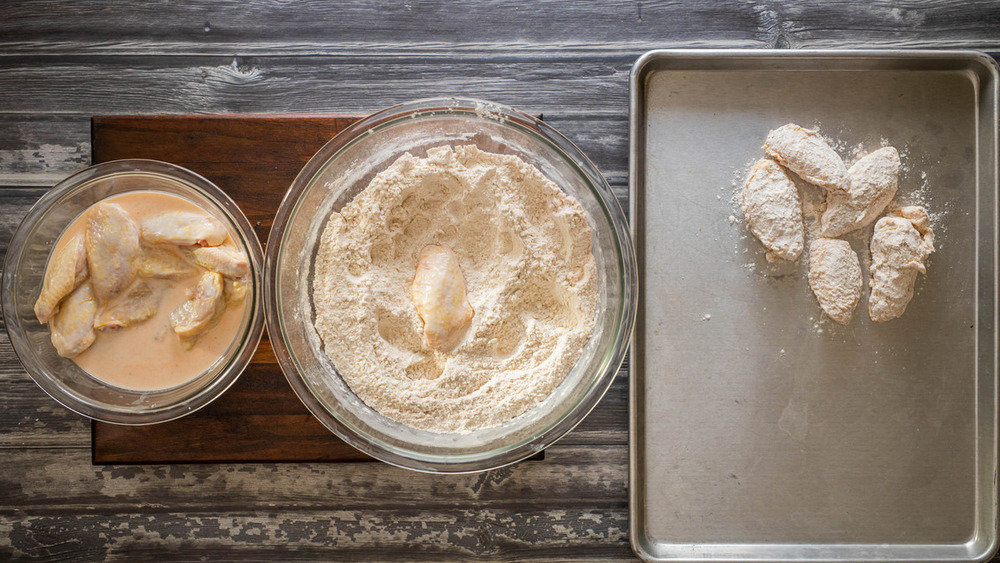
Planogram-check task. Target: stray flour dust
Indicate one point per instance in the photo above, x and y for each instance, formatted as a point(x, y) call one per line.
point(525, 251)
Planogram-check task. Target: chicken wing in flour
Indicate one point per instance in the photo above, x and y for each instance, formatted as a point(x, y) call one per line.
point(873, 183)
point(771, 205)
point(835, 277)
point(806, 153)
point(901, 242)
point(439, 295)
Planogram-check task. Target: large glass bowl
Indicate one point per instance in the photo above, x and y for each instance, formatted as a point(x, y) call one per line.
point(344, 167)
point(24, 268)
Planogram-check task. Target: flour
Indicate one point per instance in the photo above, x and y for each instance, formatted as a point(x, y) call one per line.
point(524, 248)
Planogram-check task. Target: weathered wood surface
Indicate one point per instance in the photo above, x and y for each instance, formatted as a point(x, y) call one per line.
point(62, 62)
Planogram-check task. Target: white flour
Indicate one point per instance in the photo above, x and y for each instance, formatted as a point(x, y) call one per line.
point(524, 249)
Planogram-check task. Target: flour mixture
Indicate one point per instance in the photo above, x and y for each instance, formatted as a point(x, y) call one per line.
point(523, 248)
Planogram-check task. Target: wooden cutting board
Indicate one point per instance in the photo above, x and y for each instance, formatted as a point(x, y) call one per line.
point(253, 159)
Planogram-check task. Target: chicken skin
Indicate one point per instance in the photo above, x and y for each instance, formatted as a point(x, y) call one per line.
point(205, 304)
point(73, 324)
point(164, 262)
point(112, 243)
point(65, 271)
point(185, 228)
point(228, 261)
point(439, 295)
point(134, 306)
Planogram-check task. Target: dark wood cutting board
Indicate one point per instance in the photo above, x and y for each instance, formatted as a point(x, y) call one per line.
point(253, 159)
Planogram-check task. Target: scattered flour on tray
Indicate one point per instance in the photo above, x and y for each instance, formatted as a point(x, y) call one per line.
point(524, 248)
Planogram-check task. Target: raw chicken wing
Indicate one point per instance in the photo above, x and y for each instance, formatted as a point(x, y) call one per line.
point(201, 311)
point(66, 270)
point(806, 153)
point(835, 277)
point(73, 325)
point(439, 296)
point(901, 242)
point(873, 183)
point(227, 261)
point(771, 205)
point(136, 305)
point(112, 242)
point(164, 262)
point(185, 228)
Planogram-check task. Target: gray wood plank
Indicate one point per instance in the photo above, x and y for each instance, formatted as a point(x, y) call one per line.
point(521, 27)
point(51, 480)
point(42, 149)
point(321, 84)
point(597, 533)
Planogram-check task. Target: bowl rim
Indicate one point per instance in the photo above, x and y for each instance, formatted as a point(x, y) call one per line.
point(609, 363)
point(250, 338)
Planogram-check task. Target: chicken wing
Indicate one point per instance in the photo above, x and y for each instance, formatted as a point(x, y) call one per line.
point(873, 183)
point(439, 295)
point(228, 261)
point(73, 324)
point(164, 262)
point(771, 205)
point(184, 228)
point(806, 153)
point(835, 277)
point(66, 270)
point(236, 290)
point(112, 243)
point(901, 242)
point(136, 305)
point(201, 311)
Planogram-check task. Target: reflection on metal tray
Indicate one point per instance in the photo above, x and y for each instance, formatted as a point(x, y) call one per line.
point(761, 430)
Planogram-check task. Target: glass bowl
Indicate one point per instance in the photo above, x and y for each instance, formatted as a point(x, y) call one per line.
point(344, 167)
point(24, 268)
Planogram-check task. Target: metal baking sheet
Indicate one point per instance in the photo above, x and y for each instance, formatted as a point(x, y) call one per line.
point(760, 430)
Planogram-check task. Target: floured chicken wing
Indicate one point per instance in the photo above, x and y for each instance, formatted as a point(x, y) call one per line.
point(201, 311)
point(186, 228)
point(771, 205)
point(873, 184)
point(165, 262)
point(227, 261)
point(73, 324)
point(66, 270)
point(112, 242)
point(806, 153)
point(835, 277)
point(134, 306)
point(439, 295)
point(901, 242)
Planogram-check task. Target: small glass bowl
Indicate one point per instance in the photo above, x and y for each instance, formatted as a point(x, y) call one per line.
point(24, 268)
point(342, 169)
